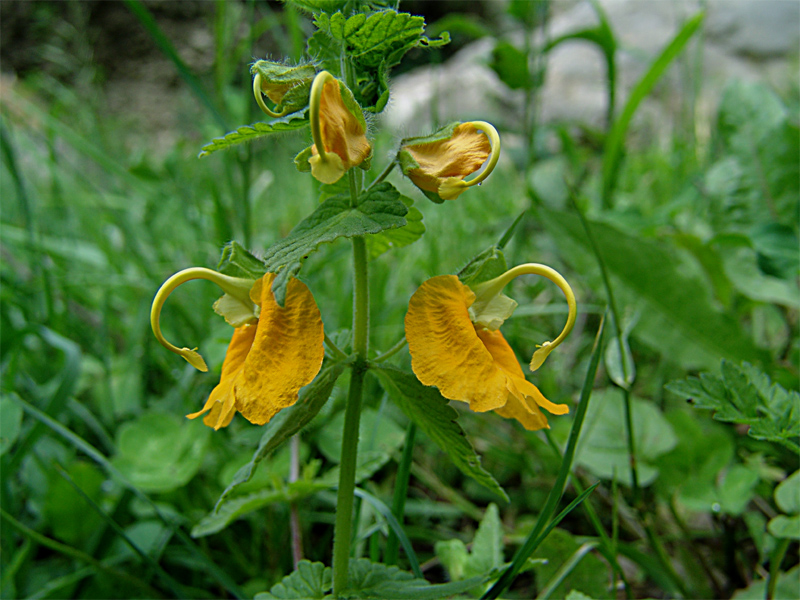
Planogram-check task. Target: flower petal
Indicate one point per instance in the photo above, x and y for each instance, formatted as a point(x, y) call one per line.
point(287, 352)
point(446, 162)
point(343, 133)
point(506, 360)
point(220, 402)
point(445, 350)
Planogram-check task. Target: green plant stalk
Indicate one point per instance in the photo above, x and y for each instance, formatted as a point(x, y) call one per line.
point(663, 559)
point(608, 546)
point(612, 305)
point(557, 491)
point(400, 492)
point(775, 566)
point(342, 535)
point(565, 570)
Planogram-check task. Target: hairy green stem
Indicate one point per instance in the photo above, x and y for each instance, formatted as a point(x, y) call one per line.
point(342, 535)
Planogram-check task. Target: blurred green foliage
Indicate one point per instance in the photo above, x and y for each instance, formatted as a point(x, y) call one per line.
point(102, 479)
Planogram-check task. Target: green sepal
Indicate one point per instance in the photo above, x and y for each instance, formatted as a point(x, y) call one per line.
point(236, 261)
point(487, 265)
point(440, 135)
point(248, 133)
point(301, 160)
point(297, 77)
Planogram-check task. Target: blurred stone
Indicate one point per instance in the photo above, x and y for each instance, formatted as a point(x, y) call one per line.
point(744, 39)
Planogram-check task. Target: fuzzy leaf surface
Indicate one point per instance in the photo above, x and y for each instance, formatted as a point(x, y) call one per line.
point(431, 412)
point(744, 394)
point(398, 238)
point(248, 133)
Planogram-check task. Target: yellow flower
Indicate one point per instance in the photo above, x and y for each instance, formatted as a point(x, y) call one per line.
point(273, 353)
point(437, 164)
point(338, 129)
point(454, 343)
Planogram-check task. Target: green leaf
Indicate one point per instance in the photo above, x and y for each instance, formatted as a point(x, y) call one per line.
point(604, 452)
point(619, 364)
point(378, 209)
point(63, 503)
point(692, 468)
point(430, 411)
point(310, 581)
point(788, 587)
point(160, 452)
point(487, 546)
point(511, 66)
point(365, 579)
point(374, 44)
point(288, 422)
point(248, 133)
point(745, 395)
point(677, 314)
point(398, 238)
point(453, 554)
point(785, 527)
point(10, 423)
point(787, 494)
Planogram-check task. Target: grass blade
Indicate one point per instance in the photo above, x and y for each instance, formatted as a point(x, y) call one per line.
point(554, 497)
point(386, 513)
point(616, 137)
point(400, 492)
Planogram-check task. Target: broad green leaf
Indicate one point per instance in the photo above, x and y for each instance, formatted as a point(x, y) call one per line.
point(248, 133)
point(453, 555)
point(398, 238)
point(692, 468)
point(68, 514)
point(787, 494)
point(487, 265)
point(589, 576)
point(603, 448)
point(576, 595)
point(160, 452)
point(288, 422)
point(743, 394)
point(486, 553)
point(377, 210)
point(785, 527)
point(376, 432)
point(311, 581)
point(10, 423)
point(787, 588)
point(511, 66)
point(487, 546)
point(366, 579)
point(431, 412)
point(677, 314)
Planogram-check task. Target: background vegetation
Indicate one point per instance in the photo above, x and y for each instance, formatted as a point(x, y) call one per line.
point(107, 491)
